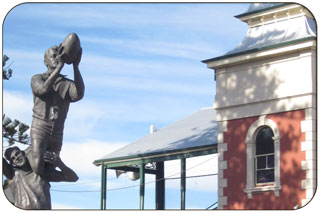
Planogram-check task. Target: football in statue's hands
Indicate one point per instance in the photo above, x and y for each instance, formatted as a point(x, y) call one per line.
point(69, 48)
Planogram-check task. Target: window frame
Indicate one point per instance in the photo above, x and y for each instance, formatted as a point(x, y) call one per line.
point(266, 168)
point(262, 155)
point(252, 186)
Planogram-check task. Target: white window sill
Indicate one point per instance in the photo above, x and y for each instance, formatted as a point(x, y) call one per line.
point(249, 191)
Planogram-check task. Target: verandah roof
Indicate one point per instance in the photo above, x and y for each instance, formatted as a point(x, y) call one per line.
point(194, 133)
point(193, 136)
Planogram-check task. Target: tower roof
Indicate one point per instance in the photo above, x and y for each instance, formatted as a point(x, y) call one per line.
point(272, 25)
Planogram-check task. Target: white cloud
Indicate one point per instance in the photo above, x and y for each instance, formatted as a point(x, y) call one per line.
point(25, 63)
point(148, 84)
point(18, 105)
point(80, 156)
point(187, 49)
point(82, 118)
point(26, 55)
point(136, 15)
point(98, 63)
point(103, 64)
point(118, 23)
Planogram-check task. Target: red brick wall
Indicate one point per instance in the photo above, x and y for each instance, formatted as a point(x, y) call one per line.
point(291, 194)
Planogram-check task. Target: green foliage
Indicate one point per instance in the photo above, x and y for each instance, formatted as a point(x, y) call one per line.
point(6, 71)
point(14, 131)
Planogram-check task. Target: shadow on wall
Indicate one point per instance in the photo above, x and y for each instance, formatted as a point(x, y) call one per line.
point(246, 91)
point(268, 85)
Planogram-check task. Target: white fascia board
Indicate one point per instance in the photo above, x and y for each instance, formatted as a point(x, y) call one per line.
point(260, 54)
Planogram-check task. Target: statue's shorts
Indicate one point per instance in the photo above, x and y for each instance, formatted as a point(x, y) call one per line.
point(47, 133)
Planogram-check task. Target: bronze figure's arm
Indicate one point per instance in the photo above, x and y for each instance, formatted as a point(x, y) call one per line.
point(76, 91)
point(40, 86)
point(66, 174)
point(7, 169)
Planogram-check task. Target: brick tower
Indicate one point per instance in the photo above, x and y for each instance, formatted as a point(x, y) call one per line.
point(266, 111)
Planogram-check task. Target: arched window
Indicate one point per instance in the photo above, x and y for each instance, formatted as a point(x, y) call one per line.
point(263, 157)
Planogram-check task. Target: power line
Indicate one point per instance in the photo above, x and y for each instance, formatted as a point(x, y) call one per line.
point(57, 190)
point(194, 176)
point(82, 183)
point(167, 178)
point(194, 166)
point(127, 187)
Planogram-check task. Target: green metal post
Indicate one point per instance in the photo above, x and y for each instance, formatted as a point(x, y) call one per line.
point(160, 186)
point(103, 186)
point(183, 184)
point(142, 185)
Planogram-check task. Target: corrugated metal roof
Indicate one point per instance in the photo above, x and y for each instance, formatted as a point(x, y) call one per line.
point(197, 130)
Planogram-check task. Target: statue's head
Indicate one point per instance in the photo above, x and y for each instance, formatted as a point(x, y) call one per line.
point(15, 156)
point(50, 57)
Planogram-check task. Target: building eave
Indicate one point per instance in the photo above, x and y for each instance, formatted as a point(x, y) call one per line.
point(254, 54)
point(157, 156)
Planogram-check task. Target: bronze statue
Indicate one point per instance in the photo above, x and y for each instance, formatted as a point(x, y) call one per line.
point(30, 171)
point(52, 94)
point(31, 190)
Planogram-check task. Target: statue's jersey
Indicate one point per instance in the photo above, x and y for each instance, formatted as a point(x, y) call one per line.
point(51, 107)
point(31, 191)
point(50, 110)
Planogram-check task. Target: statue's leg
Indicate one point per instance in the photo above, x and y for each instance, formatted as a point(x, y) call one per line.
point(38, 149)
point(54, 144)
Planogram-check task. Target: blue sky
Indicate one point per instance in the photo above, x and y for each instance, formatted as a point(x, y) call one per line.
point(141, 65)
